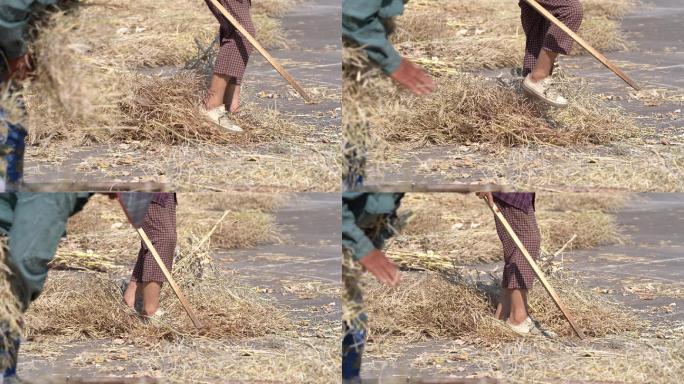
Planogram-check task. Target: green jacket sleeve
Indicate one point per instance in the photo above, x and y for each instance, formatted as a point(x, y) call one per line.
point(353, 237)
point(362, 24)
point(14, 17)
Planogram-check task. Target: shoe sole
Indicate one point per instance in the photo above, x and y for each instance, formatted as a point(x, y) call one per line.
point(532, 93)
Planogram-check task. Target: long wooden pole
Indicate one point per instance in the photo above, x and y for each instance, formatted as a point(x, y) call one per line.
point(262, 51)
point(598, 55)
point(432, 188)
point(537, 271)
point(169, 278)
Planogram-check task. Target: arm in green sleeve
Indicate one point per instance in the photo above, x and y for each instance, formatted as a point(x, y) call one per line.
point(14, 17)
point(353, 237)
point(362, 24)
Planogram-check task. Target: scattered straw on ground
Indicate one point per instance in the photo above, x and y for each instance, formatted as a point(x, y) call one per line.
point(245, 335)
point(487, 34)
point(591, 144)
point(453, 230)
point(141, 75)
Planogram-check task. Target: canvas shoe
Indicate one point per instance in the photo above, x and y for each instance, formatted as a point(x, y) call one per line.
point(544, 92)
point(525, 328)
point(157, 318)
point(221, 117)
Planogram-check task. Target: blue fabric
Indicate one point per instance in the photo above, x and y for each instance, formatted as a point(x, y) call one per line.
point(352, 353)
point(12, 145)
point(14, 18)
point(11, 357)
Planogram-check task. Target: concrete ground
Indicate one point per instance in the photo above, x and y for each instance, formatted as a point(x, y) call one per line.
point(313, 57)
point(656, 31)
point(302, 275)
point(645, 273)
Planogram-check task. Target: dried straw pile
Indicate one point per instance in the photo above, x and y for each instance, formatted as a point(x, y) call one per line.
point(105, 46)
point(464, 309)
point(89, 305)
point(468, 108)
point(382, 120)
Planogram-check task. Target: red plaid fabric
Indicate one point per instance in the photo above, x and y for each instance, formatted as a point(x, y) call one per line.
point(235, 50)
point(524, 201)
point(517, 271)
point(160, 227)
point(541, 33)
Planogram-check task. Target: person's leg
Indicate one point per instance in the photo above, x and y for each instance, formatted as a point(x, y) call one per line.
point(503, 309)
point(518, 276)
point(131, 293)
point(232, 96)
point(535, 26)
point(551, 40)
point(160, 226)
point(151, 292)
point(237, 52)
point(355, 321)
point(544, 65)
point(518, 310)
point(216, 92)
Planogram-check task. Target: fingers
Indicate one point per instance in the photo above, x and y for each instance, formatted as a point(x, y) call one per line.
point(395, 276)
point(413, 78)
point(381, 267)
point(422, 84)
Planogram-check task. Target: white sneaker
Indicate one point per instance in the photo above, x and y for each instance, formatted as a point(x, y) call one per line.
point(156, 318)
point(525, 328)
point(544, 92)
point(221, 117)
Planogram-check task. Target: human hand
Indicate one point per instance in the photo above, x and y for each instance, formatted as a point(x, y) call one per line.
point(413, 77)
point(486, 196)
point(381, 267)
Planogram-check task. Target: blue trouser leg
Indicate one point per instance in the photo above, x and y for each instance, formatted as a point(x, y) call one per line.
point(355, 320)
point(352, 353)
point(11, 355)
point(12, 143)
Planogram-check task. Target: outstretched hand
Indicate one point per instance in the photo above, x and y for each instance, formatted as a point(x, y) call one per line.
point(381, 267)
point(413, 77)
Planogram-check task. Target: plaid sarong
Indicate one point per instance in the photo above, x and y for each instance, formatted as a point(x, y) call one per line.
point(234, 50)
point(541, 33)
point(160, 227)
point(517, 271)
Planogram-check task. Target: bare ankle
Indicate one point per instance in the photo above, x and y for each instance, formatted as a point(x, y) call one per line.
point(537, 77)
point(517, 318)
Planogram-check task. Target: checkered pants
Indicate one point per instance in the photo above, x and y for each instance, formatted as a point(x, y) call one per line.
point(517, 271)
point(541, 33)
point(160, 227)
point(234, 50)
